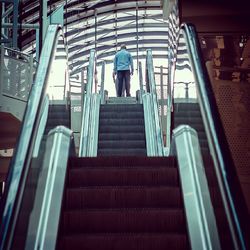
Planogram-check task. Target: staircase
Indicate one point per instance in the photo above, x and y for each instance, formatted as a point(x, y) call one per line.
point(58, 115)
point(121, 128)
point(122, 203)
point(190, 114)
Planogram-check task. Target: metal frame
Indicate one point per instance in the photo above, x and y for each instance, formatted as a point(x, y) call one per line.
point(87, 22)
point(9, 9)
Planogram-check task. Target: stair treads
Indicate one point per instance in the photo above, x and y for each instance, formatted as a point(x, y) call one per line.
point(122, 152)
point(187, 119)
point(58, 115)
point(221, 220)
point(121, 128)
point(120, 197)
point(124, 220)
point(132, 161)
point(121, 115)
point(121, 107)
point(133, 176)
point(130, 241)
point(119, 122)
point(121, 136)
point(123, 203)
point(188, 113)
point(186, 107)
point(124, 144)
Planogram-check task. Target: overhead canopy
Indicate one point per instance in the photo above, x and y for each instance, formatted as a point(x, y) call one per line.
point(103, 25)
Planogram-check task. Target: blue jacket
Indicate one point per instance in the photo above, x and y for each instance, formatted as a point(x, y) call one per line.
point(123, 60)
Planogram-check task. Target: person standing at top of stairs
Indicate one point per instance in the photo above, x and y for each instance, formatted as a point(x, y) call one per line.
point(122, 63)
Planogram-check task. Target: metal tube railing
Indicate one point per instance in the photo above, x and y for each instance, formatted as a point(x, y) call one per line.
point(91, 73)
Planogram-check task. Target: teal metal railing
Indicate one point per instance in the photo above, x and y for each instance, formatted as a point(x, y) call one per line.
point(90, 113)
point(102, 91)
point(154, 139)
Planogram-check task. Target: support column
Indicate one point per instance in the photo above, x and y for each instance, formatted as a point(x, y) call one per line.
point(42, 22)
point(15, 24)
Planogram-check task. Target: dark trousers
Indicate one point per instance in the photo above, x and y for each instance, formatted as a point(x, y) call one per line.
point(123, 75)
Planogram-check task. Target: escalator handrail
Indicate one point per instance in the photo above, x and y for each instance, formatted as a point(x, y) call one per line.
point(151, 87)
point(102, 92)
point(209, 118)
point(18, 171)
point(140, 80)
point(91, 72)
point(86, 111)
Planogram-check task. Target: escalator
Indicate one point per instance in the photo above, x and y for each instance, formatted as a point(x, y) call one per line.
point(120, 199)
point(190, 114)
point(123, 203)
point(29, 168)
point(121, 129)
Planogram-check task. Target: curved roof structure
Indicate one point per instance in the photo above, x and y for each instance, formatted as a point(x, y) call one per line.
point(103, 25)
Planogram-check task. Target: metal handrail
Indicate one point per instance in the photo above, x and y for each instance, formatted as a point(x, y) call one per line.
point(170, 90)
point(102, 83)
point(18, 169)
point(155, 112)
point(201, 79)
point(140, 81)
point(91, 72)
point(90, 114)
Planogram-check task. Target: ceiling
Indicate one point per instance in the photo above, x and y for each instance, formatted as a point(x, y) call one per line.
point(103, 26)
